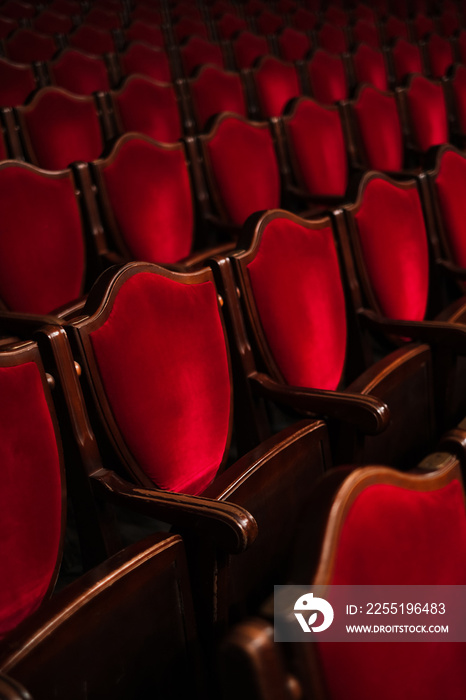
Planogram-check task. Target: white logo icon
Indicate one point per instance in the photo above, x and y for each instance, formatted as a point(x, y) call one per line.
point(307, 603)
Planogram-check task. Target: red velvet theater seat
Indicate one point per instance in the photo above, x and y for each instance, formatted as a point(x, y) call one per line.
point(327, 76)
point(275, 83)
point(59, 127)
point(92, 39)
point(140, 57)
point(79, 72)
point(17, 82)
point(229, 24)
point(438, 52)
point(140, 30)
point(291, 293)
point(378, 528)
point(455, 91)
point(369, 66)
point(247, 48)
point(213, 91)
point(27, 45)
point(404, 58)
point(197, 51)
point(293, 44)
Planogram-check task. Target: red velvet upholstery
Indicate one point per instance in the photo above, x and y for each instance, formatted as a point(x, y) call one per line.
point(99, 17)
point(315, 137)
point(221, 7)
point(48, 22)
point(406, 59)
point(394, 245)
point(380, 129)
point(66, 7)
point(303, 19)
point(150, 196)
point(63, 128)
point(215, 91)
point(186, 26)
point(145, 60)
point(7, 26)
point(450, 183)
point(394, 27)
point(242, 158)
point(147, 14)
point(16, 82)
point(42, 251)
point(367, 33)
point(364, 12)
point(327, 77)
point(171, 402)
point(276, 83)
point(462, 45)
point(230, 24)
point(269, 22)
point(197, 52)
point(17, 9)
point(440, 55)
point(336, 16)
point(27, 46)
point(248, 47)
point(30, 495)
point(449, 22)
point(369, 66)
point(422, 26)
point(458, 84)
point(79, 72)
point(297, 289)
point(149, 107)
point(392, 536)
point(293, 45)
point(332, 38)
point(426, 104)
point(139, 30)
point(254, 7)
point(92, 40)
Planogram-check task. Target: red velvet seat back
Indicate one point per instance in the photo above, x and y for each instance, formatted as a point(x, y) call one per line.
point(426, 104)
point(16, 82)
point(440, 54)
point(230, 24)
point(369, 66)
point(162, 359)
point(7, 26)
point(303, 19)
point(197, 52)
point(80, 73)
point(458, 84)
point(244, 168)
point(48, 22)
point(315, 135)
point(17, 9)
point(406, 59)
point(149, 195)
point(151, 34)
point(269, 22)
point(30, 494)
point(393, 241)
point(394, 28)
point(380, 128)
point(391, 536)
point(462, 45)
point(42, 248)
point(186, 26)
point(366, 32)
point(293, 44)
point(449, 184)
point(145, 60)
point(276, 83)
point(422, 25)
point(92, 40)
point(66, 7)
point(102, 18)
point(297, 290)
point(63, 128)
point(248, 47)
point(27, 46)
point(214, 91)
point(332, 38)
point(327, 77)
point(150, 108)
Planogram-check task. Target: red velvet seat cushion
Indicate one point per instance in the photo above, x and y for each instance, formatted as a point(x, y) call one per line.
point(30, 495)
point(162, 358)
point(394, 245)
point(380, 129)
point(245, 168)
point(327, 77)
point(150, 196)
point(318, 145)
point(426, 104)
point(215, 91)
point(450, 184)
point(63, 128)
point(276, 83)
point(297, 289)
point(42, 249)
point(149, 108)
point(392, 536)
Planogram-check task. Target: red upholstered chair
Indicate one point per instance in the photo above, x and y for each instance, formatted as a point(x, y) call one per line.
point(327, 75)
point(424, 114)
point(17, 9)
point(362, 11)
point(93, 40)
point(221, 7)
point(312, 146)
point(80, 72)
point(146, 106)
point(369, 66)
point(145, 197)
point(7, 26)
point(377, 527)
point(104, 19)
point(140, 57)
point(336, 15)
point(212, 91)
point(448, 22)
point(186, 26)
point(292, 296)
point(460, 46)
point(146, 13)
point(33, 519)
point(454, 84)
point(275, 83)
point(43, 249)
point(66, 7)
point(59, 127)
point(49, 22)
point(268, 22)
point(293, 45)
point(395, 28)
point(140, 30)
point(376, 135)
point(247, 48)
point(404, 58)
point(26, 46)
point(366, 32)
point(153, 353)
point(303, 19)
point(241, 170)
point(197, 51)
point(332, 38)
point(402, 296)
point(135, 609)
point(229, 25)
point(422, 26)
point(17, 82)
point(438, 52)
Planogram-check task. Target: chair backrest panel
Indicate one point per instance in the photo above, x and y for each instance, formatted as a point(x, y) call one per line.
point(449, 184)
point(428, 114)
point(380, 128)
point(142, 58)
point(215, 91)
point(327, 77)
point(79, 72)
point(16, 82)
point(276, 83)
